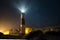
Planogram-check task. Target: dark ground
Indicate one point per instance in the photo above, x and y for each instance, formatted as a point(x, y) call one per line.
point(36, 35)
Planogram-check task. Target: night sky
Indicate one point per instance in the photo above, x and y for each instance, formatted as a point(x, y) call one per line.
point(39, 12)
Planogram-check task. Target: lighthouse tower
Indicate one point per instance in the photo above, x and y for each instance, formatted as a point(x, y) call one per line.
point(22, 24)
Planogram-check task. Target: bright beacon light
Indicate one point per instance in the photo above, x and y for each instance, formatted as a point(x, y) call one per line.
point(23, 9)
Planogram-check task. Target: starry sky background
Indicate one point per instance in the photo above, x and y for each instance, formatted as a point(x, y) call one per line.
point(39, 13)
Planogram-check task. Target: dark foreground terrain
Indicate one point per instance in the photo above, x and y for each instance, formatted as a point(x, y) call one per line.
point(35, 35)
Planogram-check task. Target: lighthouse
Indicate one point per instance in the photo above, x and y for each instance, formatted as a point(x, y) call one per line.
point(22, 24)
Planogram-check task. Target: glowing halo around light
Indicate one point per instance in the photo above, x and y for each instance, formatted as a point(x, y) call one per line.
point(23, 9)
